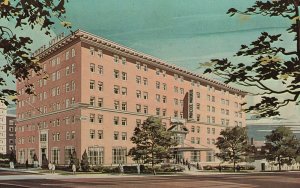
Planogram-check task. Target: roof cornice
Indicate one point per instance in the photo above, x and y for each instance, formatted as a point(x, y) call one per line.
point(126, 51)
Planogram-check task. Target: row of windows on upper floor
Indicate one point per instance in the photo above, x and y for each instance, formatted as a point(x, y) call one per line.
point(54, 77)
point(45, 109)
point(145, 68)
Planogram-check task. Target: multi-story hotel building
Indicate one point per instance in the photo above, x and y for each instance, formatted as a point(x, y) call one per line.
point(96, 93)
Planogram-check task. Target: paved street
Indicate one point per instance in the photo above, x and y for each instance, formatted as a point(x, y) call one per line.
point(262, 180)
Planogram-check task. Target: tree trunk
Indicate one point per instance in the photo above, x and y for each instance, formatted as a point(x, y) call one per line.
point(233, 165)
point(279, 163)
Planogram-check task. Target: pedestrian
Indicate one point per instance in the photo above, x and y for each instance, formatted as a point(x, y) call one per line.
point(220, 168)
point(138, 167)
point(50, 167)
point(186, 162)
point(189, 166)
point(53, 168)
point(198, 168)
point(73, 168)
point(26, 164)
point(121, 169)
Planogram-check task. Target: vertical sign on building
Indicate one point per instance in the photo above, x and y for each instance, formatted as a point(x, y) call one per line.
point(191, 105)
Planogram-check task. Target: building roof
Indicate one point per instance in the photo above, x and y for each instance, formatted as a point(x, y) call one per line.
point(112, 46)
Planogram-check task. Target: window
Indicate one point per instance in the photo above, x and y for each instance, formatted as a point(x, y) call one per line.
point(138, 108)
point(164, 112)
point(213, 130)
point(116, 135)
point(124, 76)
point(157, 71)
point(198, 95)
point(68, 152)
point(124, 91)
point(198, 129)
point(124, 106)
point(193, 140)
point(116, 120)
point(138, 122)
point(213, 99)
point(157, 85)
point(57, 75)
point(92, 118)
point(157, 111)
point(213, 109)
point(67, 70)
point(100, 102)
point(222, 121)
point(116, 105)
point(100, 86)
point(92, 51)
point(124, 136)
point(116, 89)
point(210, 156)
point(100, 118)
point(92, 84)
point(100, 69)
point(116, 59)
point(145, 81)
point(68, 88)
point(43, 137)
point(145, 67)
point(208, 130)
point(157, 98)
point(92, 101)
point(138, 94)
point(164, 86)
point(73, 135)
point(213, 120)
point(175, 89)
point(67, 55)
point(72, 52)
point(55, 155)
point(181, 91)
point(92, 133)
point(164, 99)
point(208, 119)
point(193, 129)
point(73, 68)
point(119, 155)
point(145, 109)
point(175, 113)
point(96, 155)
point(138, 79)
point(145, 94)
point(176, 102)
point(124, 121)
point(100, 134)
point(116, 74)
point(198, 140)
point(73, 85)
point(138, 65)
point(123, 60)
point(198, 106)
point(92, 67)
point(100, 53)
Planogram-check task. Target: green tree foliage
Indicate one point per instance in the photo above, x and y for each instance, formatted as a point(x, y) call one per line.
point(85, 162)
point(270, 60)
point(15, 49)
point(233, 145)
point(153, 142)
point(281, 146)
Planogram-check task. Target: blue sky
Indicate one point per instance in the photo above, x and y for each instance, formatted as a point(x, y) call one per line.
point(184, 33)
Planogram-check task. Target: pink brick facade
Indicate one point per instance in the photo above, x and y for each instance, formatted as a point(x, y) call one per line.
point(99, 91)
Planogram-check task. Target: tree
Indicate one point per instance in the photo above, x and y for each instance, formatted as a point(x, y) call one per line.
point(270, 60)
point(233, 145)
point(15, 49)
point(85, 162)
point(281, 146)
point(153, 142)
point(74, 159)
